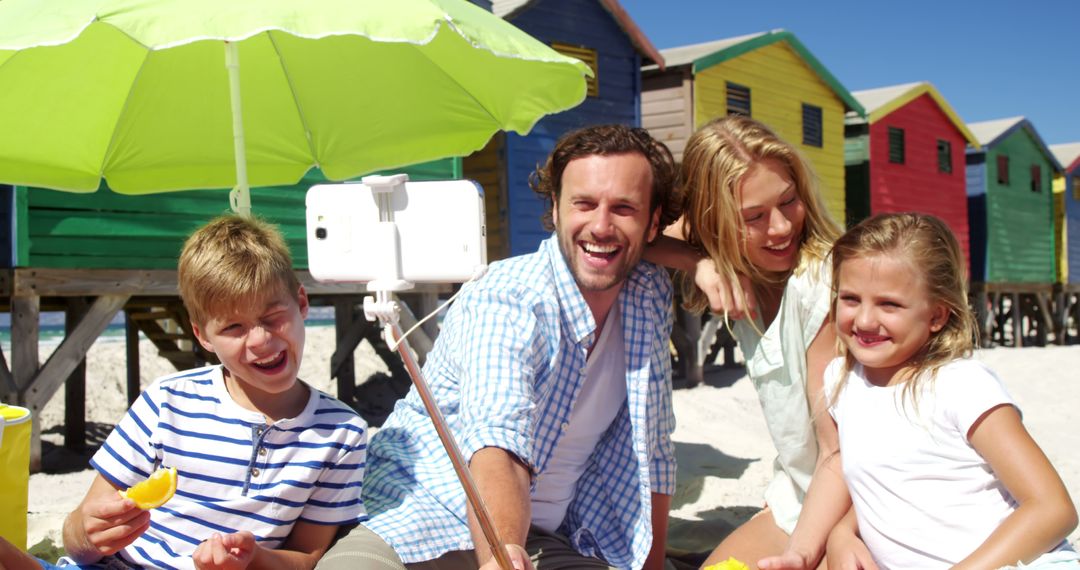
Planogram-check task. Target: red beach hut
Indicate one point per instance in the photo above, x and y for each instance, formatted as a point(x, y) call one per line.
point(907, 155)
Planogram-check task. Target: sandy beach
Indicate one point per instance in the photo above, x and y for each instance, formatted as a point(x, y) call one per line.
point(724, 451)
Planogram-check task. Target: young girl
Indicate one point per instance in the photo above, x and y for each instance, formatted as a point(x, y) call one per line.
point(758, 238)
point(941, 471)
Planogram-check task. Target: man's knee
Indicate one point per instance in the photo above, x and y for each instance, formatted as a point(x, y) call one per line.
point(359, 547)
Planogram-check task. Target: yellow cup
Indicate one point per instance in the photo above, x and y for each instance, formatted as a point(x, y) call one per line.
point(14, 472)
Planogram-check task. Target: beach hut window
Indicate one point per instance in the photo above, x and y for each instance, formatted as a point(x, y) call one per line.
point(1076, 188)
point(588, 55)
point(738, 99)
point(1036, 178)
point(811, 126)
point(896, 145)
point(944, 156)
point(1003, 169)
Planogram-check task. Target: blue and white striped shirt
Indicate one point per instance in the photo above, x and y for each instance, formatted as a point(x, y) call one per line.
point(506, 370)
point(234, 472)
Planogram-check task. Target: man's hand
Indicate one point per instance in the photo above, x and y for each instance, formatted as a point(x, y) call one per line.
point(518, 557)
point(109, 523)
point(225, 551)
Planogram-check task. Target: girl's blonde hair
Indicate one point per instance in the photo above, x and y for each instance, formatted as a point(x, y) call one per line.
point(716, 159)
point(931, 249)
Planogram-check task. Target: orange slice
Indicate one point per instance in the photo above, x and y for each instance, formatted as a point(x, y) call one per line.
point(729, 564)
point(153, 492)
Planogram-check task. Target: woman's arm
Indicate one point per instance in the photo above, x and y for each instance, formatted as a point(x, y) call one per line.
point(827, 499)
point(733, 297)
point(1046, 514)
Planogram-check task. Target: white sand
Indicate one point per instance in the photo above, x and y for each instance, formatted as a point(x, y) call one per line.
point(724, 450)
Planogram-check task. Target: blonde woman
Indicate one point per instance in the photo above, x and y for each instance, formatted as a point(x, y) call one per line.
point(758, 239)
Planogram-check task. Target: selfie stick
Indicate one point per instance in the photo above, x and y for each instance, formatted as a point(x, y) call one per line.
point(385, 309)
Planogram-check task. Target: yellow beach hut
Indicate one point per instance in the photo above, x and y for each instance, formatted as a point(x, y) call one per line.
point(770, 76)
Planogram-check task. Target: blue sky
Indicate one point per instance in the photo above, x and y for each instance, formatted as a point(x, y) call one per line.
point(990, 59)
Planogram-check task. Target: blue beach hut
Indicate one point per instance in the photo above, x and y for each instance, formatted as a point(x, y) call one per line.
point(1067, 188)
point(600, 33)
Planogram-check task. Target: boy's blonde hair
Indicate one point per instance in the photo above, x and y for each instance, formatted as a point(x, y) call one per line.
point(931, 249)
point(716, 159)
point(230, 262)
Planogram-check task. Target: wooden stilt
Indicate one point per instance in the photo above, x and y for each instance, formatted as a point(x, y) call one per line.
point(131, 343)
point(342, 363)
point(75, 385)
point(25, 312)
point(1018, 327)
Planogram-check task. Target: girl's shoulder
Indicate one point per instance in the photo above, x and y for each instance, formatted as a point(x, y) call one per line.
point(968, 384)
point(966, 371)
point(831, 378)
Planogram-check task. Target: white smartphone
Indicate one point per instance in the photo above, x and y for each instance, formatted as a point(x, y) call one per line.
point(440, 226)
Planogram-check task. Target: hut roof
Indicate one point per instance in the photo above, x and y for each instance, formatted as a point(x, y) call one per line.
point(507, 9)
point(989, 133)
point(1068, 154)
point(704, 55)
point(881, 101)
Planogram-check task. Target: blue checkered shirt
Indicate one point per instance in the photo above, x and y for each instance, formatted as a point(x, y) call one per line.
point(506, 370)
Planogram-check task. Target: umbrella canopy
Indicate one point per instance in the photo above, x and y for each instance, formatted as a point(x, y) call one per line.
point(138, 92)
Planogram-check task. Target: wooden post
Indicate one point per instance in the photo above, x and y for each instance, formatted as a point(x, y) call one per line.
point(982, 315)
point(25, 312)
point(131, 345)
point(44, 382)
point(345, 372)
point(75, 385)
point(1018, 329)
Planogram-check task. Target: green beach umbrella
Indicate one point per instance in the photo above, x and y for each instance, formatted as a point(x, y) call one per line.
point(169, 95)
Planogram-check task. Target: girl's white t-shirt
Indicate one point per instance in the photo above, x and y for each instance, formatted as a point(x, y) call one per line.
point(923, 495)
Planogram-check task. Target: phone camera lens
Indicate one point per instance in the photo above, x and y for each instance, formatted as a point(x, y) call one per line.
point(320, 233)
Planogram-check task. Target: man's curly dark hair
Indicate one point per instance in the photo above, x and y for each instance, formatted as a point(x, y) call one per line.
point(605, 140)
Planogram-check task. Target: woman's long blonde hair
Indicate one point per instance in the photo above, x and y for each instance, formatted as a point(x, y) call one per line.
point(931, 249)
point(716, 159)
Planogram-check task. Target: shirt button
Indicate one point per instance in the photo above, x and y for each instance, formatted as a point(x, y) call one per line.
point(262, 451)
point(255, 472)
point(565, 426)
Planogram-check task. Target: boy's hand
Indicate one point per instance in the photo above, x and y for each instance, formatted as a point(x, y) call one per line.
point(112, 522)
point(225, 551)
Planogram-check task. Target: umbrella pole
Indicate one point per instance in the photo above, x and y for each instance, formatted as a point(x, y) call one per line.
point(239, 197)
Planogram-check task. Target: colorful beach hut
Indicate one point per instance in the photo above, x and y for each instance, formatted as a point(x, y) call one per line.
point(907, 155)
point(598, 32)
point(1067, 194)
point(1067, 232)
point(1011, 221)
point(770, 76)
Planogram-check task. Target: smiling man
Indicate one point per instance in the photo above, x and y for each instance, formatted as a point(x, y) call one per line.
point(553, 373)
